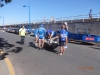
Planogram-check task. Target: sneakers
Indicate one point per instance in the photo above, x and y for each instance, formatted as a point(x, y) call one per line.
point(65, 47)
point(36, 44)
point(60, 54)
point(42, 48)
point(39, 48)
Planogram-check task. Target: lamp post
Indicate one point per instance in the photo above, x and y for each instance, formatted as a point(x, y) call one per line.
point(3, 20)
point(29, 13)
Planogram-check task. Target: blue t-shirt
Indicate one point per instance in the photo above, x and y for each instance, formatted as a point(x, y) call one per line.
point(41, 32)
point(50, 31)
point(63, 35)
point(35, 32)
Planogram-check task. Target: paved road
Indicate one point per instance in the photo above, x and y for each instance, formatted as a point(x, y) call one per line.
point(26, 60)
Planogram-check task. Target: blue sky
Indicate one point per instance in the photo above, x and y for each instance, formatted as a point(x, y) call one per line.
point(16, 13)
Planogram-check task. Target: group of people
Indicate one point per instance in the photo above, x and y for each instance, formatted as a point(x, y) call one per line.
point(40, 36)
point(52, 19)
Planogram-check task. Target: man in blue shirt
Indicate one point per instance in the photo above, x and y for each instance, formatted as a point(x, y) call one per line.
point(50, 34)
point(41, 32)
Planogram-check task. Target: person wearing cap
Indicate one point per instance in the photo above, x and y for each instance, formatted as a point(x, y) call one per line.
point(66, 28)
point(41, 32)
point(50, 34)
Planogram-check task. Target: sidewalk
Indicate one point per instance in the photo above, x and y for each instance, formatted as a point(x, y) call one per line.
point(3, 68)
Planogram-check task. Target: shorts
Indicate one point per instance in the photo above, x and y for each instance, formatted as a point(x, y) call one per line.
point(41, 37)
point(35, 35)
point(62, 43)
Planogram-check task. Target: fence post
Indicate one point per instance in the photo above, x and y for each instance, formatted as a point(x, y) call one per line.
point(34, 21)
point(83, 17)
point(55, 20)
point(62, 19)
point(72, 19)
point(48, 21)
point(98, 17)
point(38, 21)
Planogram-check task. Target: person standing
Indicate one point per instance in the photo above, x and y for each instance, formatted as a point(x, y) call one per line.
point(22, 33)
point(44, 20)
point(51, 19)
point(41, 33)
point(66, 28)
point(90, 14)
point(62, 40)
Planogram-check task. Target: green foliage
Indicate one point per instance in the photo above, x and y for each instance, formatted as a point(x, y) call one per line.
point(6, 1)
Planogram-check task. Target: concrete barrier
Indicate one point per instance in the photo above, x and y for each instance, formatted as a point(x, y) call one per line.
point(92, 26)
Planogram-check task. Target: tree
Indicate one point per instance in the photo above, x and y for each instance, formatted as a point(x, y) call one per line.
point(5, 1)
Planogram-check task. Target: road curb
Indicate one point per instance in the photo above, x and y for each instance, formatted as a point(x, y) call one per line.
point(10, 66)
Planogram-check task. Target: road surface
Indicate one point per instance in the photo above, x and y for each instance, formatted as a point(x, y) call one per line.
point(26, 60)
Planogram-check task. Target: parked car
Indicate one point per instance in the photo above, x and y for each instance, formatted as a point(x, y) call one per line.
point(30, 31)
point(9, 30)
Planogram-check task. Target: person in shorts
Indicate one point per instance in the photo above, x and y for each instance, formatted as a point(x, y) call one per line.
point(62, 40)
point(41, 33)
point(66, 28)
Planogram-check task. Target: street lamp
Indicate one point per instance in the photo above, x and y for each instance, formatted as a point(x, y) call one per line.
point(29, 14)
point(3, 20)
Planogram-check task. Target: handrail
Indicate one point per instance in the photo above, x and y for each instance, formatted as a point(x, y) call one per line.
point(71, 18)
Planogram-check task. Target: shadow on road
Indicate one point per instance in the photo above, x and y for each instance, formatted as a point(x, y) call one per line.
point(82, 43)
point(95, 48)
point(18, 42)
point(16, 50)
point(50, 49)
point(5, 45)
point(31, 44)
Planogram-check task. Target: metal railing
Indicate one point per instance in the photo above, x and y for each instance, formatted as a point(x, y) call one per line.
point(62, 19)
point(70, 18)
